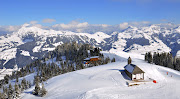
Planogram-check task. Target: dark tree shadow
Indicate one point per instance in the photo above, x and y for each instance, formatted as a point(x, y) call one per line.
point(28, 92)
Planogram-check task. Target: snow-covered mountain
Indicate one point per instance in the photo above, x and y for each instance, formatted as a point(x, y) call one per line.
point(30, 42)
point(110, 82)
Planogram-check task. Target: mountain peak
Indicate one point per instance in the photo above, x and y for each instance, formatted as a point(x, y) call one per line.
point(154, 26)
point(178, 29)
point(28, 29)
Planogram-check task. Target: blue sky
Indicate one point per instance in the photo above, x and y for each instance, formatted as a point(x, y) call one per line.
point(17, 12)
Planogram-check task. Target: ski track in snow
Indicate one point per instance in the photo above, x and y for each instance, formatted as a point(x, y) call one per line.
point(107, 82)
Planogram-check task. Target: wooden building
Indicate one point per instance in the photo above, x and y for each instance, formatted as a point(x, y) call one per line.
point(91, 60)
point(133, 71)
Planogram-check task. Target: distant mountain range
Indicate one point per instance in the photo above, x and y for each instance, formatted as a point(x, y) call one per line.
point(30, 43)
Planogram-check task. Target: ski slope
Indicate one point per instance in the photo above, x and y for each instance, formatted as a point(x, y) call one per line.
point(109, 82)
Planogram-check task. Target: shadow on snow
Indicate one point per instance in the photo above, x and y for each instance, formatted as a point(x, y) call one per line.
point(124, 75)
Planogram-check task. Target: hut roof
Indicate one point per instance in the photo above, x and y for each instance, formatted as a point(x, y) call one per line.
point(87, 59)
point(133, 69)
point(94, 57)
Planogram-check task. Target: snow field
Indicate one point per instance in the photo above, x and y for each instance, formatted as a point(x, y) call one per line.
point(107, 82)
point(4, 72)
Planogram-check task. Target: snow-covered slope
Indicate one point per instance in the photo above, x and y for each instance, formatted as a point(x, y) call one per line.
point(4, 71)
point(31, 42)
point(109, 82)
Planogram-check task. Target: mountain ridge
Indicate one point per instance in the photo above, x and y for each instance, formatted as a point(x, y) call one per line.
point(36, 42)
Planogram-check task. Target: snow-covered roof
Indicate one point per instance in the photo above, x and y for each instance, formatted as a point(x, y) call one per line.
point(129, 68)
point(91, 57)
point(133, 69)
point(94, 57)
point(87, 59)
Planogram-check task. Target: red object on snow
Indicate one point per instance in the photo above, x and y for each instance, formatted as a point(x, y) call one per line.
point(167, 73)
point(154, 81)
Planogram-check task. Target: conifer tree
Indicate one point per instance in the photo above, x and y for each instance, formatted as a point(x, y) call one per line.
point(146, 58)
point(16, 92)
point(1, 95)
point(5, 92)
point(37, 89)
point(113, 60)
point(10, 92)
point(23, 84)
point(6, 79)
point(155, 58)
point(149, 56)
point(170, 61)
point(81, 66)
point(43, 90)
point(17, 80)
point(177, 64)
point(107, 60)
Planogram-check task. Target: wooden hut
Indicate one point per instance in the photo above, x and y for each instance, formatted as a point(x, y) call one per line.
point(90, 60)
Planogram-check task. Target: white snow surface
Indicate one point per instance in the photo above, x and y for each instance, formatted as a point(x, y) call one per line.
point(25, 53)
point(178, 29)
point(109, 82)
point(4, 71)
point(8, 54)
point(178, 54)
point(98, 36)
point(157, 46)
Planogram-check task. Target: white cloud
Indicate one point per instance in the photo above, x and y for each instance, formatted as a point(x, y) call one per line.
point(8, 29)
point(38, 25)
point(33, 22)
point(48, 20)
point(123, 26)
point(12, 28)
point(79, 30)
point(169, 25)
point(140, 23)
point(80, 25)
point(105, 25)
point(72, 25)
point(85, 27)
point(77, 26)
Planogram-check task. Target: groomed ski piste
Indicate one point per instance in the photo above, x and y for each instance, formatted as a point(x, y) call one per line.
point(108, 82)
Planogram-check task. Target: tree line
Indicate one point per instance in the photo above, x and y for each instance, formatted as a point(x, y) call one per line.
point(163, 59)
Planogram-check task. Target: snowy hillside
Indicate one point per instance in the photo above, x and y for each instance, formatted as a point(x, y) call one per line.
point(31, 42)
point(109, 82)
